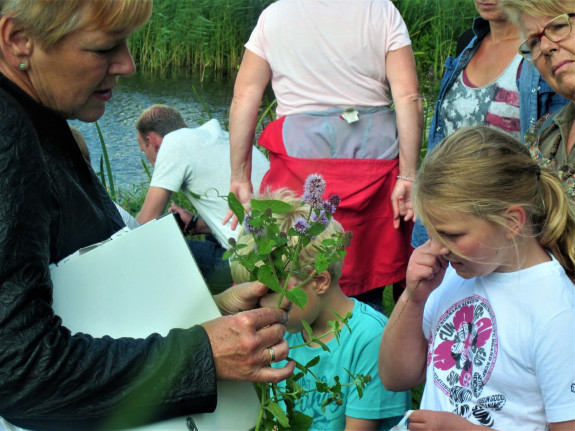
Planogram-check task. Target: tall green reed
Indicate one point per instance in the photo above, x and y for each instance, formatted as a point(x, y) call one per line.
point(199, 36)
point(434, 27)
point(106, 167)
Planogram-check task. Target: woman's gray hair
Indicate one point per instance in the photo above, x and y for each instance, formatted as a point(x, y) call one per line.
point(536, 8)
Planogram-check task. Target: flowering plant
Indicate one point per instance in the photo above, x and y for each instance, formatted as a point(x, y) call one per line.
point(273, 260)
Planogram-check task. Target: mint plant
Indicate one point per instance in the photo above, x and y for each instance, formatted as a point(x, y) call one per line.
point(274, 262)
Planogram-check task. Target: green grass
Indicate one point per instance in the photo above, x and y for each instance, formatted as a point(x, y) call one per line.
point(132, 199)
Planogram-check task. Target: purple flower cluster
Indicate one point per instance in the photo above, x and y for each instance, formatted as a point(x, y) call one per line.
point(330, 206)
point(301, 225)
point(252, 230)
point(321, 217)
point(335, 200)
point(313, 190)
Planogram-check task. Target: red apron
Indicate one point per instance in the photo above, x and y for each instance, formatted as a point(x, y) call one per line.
point(378, 253)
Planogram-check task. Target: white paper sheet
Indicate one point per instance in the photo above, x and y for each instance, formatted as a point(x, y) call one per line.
point(138, 283)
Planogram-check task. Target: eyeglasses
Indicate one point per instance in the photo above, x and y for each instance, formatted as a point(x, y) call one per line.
point(556, 30)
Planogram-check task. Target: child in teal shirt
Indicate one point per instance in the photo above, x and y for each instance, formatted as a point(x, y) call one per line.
point(356, 352)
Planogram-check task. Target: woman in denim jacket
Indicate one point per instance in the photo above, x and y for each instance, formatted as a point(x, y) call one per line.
point(536, 98)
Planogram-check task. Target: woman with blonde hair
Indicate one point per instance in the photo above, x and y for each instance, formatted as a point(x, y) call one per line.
point(61, 60)
point(549, 43)
point(487, 319)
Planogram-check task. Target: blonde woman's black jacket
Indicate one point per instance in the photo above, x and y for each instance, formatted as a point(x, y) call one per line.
point(51, 204)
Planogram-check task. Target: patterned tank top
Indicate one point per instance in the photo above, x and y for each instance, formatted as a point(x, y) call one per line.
point(495, 104)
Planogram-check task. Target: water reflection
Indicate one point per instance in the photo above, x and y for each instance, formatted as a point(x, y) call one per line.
point(136, 93)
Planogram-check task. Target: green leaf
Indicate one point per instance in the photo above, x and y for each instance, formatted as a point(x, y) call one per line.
point(277, 207)
point(298, 296)
point(300, 421)
point(194, 195)
point(329, 242)
point(264, 246)
point(337, 386)
point(279, 240)
point(272, 229)
point(256, 222)
point(313, 362)
point(266, 276)
point(323, 346)
point(321, 266)
point(278, 413)
point(315, 229)
point(298, 376)
point(305, 240)
point(307, 328)
point(236, 206)
point(298, 365)
point(326, 403)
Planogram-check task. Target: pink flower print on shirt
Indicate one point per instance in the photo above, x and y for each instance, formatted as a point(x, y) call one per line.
point(463, 351)
point(468, 337)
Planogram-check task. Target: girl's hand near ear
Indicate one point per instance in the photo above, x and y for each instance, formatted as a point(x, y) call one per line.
point(425, 271)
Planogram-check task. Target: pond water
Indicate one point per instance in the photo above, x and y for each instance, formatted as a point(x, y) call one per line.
point(134, 94)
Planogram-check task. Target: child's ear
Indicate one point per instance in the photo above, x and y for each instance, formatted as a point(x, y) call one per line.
point(516, 217)
point(321, 282)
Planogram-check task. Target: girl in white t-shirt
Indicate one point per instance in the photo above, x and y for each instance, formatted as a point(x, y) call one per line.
point(487, 319)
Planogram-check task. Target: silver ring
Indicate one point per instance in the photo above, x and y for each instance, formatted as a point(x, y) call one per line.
point(272, 355)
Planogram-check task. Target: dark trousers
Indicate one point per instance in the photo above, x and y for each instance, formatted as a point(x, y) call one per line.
point(208, 254)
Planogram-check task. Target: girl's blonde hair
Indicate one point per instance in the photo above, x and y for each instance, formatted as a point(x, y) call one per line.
point(307, 255)
point(481, 171)
point(49, 21)
point(537, 8)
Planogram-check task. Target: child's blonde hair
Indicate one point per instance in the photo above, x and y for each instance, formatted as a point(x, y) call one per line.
point(482, 171)
point(285, 221)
